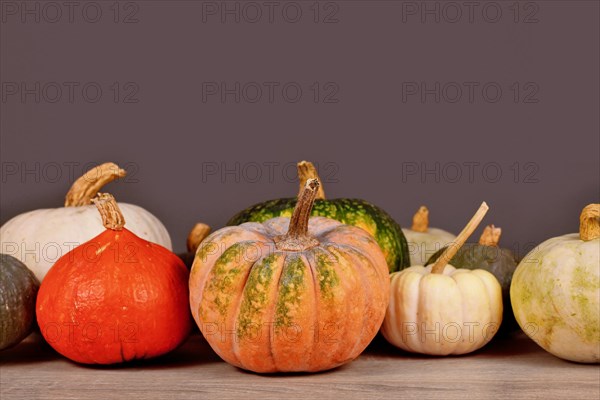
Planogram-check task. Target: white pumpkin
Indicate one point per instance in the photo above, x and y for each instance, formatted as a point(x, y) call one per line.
point(424, 241)
point(39, 238)
point(440, 310)
point(555, 292)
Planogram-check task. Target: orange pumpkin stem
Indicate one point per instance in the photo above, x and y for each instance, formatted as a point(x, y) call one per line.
point(198, 233)
point(306, 171)
point(490, 236)
point(420, 222)
point(112, 218)
point(297, 238)
point(589, 222)
point(87, 186)
point(462, 237)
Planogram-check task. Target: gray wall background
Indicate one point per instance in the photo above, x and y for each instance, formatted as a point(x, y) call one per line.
point(373, 138)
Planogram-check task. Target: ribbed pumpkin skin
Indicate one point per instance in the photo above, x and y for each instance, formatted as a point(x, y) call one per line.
point(354, 212)
point(500, 262)
point(115, 298)
point(463, 307)
point(269, 310)
point(18, 289)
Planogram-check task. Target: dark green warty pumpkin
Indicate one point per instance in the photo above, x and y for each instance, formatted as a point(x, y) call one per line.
point(356, 212)
point(18, 290)
point(488, 256)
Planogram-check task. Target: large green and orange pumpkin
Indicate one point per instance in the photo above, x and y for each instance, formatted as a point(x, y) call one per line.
point(356, 212)
point(299, 294)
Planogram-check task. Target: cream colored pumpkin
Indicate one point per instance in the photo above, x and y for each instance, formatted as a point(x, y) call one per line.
point(424, 241)
point(39, 238)
point(441, 310)
point(455, 312)
point(555, 292)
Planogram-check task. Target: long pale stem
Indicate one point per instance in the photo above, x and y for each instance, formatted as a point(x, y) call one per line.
point(462, 237)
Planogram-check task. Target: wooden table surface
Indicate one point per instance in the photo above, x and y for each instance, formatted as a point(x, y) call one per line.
point(507, 368)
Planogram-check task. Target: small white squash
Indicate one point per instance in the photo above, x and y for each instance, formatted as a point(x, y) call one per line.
point(39, 238)
point(555, 292)
point(424, 241)
point(440, 310)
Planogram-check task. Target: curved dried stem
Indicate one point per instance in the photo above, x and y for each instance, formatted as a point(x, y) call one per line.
point(85, 188)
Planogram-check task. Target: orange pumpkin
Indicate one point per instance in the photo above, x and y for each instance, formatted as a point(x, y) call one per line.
point(310, 299)
point(115, 298)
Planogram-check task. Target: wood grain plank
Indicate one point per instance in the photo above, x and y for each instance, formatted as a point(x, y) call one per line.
point(507, 368)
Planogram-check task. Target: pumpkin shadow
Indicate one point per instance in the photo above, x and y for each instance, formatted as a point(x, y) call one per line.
point(32, 349)
point(507, 345)
point(528, 351)
point(514, 344)
point(194, 351)
point(291, 374)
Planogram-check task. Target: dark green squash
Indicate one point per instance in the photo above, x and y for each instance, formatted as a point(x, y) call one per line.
point(18, 290)
point(488, 256)
point(360, 213)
